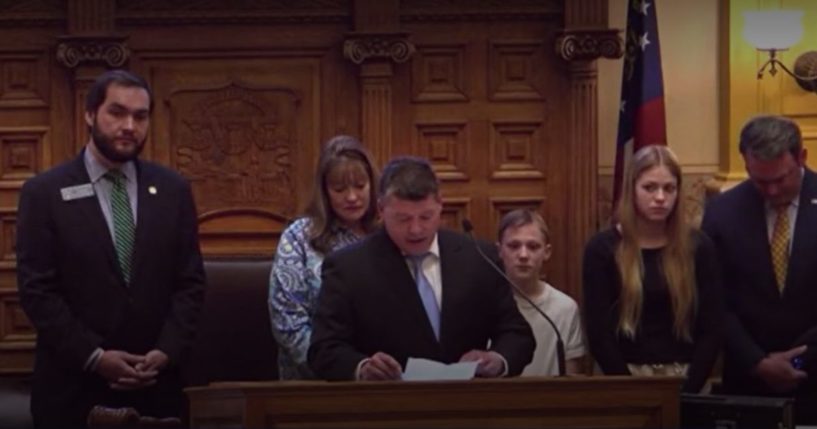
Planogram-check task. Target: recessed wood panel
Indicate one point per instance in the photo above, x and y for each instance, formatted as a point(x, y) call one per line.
point(500, 206)
point(514, 70)
point(8, 236)
point(445, 145)
point(516, 150)
point(240, 231)
point(23, 152)
point(24, 79)
point(14, 325)
point(455, 210)
point(438, 74)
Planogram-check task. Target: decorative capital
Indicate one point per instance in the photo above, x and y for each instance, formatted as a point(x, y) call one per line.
point(361, 47)
point(589, 45)
point(73, 51)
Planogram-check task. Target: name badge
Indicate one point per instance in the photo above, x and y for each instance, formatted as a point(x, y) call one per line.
point(77, 192)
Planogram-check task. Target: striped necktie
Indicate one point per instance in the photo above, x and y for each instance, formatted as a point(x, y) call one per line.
point(780, 246)
point(123, 226)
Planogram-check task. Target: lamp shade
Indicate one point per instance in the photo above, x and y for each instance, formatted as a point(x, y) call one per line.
point(773, 29)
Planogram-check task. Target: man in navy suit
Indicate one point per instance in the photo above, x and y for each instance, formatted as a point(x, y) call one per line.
point(765, 230)
point(109, 268)
point(413, 290)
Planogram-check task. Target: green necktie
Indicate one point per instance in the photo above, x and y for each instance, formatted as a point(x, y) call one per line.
point(122, 221)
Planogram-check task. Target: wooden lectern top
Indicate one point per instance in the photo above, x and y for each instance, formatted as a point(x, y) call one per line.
point(523, 402)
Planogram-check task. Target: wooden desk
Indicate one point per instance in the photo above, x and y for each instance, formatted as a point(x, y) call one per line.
point(598, 402)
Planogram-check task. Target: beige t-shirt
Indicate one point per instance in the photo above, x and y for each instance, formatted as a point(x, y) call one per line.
point(564, 312)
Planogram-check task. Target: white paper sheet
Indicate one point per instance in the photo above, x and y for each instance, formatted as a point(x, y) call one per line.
point(418, 369)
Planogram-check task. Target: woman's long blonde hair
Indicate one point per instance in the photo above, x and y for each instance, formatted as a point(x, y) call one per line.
point(677, 260)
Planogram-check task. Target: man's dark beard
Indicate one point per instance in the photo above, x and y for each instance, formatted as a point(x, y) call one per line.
point(106, 147)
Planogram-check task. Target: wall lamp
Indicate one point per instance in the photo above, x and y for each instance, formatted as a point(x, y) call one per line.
point(774, 31)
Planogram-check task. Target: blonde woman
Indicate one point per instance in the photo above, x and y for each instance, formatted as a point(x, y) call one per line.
point(653, 303)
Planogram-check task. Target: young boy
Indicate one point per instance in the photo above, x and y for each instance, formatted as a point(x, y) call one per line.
point(524, 248)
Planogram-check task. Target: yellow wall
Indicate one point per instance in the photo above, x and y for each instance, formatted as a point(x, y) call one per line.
point(688, 33)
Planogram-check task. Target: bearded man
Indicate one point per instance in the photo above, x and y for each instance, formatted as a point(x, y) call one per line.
point(109, 268)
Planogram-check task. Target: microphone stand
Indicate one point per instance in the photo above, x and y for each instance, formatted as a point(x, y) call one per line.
point(560, 346)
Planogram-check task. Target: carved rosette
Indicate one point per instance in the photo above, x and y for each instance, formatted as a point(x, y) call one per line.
point(589, 45)
point(75, 51)
point(396, 47)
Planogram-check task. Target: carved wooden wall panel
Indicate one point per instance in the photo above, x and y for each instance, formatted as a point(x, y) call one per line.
point(514, 72)
point(445, 145)
point(516, 151)
point(455, 210)
point(245, 127)
point(16, 334)
point(24, 79)
point(483, 100)
point(438, 74)
point(500, 206)
point(24, 152)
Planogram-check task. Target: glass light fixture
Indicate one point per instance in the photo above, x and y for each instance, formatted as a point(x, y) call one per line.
point(773, 31)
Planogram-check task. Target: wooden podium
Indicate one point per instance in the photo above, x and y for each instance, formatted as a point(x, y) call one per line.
point(535, 402)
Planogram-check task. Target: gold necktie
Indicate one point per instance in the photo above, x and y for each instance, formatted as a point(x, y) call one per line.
point(780, 246)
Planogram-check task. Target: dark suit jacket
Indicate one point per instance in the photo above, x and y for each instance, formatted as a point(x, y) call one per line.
point(73, 292)
point(760, 320)
point(369, 303)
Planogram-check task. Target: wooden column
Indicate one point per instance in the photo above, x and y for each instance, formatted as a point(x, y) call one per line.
point(584, 39)
point(90, 47)
point(376, 45)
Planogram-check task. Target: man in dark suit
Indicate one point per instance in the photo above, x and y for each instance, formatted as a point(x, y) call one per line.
point(413, 290)
point(765, 230)
point(109, 268)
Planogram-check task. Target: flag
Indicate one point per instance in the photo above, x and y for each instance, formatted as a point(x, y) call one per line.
point(641, 119)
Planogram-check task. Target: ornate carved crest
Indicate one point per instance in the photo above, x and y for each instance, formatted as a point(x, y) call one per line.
point(360, 47)
point(236, 145)
point(588, 45)
point(75, 50)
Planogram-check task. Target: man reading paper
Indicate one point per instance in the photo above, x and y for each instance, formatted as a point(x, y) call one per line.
point(414, 290)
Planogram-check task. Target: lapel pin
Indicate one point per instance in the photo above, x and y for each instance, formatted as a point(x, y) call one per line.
point(152, 190)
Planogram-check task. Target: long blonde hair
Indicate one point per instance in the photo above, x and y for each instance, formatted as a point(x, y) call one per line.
point(677, 259)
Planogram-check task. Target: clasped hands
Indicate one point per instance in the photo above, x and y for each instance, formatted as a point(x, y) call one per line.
point(381, 366)
point(126, 371)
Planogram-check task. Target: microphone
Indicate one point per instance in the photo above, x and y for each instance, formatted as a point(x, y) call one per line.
point(560, 346)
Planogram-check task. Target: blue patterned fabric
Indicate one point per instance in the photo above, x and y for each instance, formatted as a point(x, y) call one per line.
point(295, 280)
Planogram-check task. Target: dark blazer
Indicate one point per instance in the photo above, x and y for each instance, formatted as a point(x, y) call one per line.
point(73, 292)
point(369, 303)
point(760, 319)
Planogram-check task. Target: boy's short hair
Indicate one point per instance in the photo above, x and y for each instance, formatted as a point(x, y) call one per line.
point(522, 217)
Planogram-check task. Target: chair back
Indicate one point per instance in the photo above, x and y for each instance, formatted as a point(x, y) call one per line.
point(234, 339)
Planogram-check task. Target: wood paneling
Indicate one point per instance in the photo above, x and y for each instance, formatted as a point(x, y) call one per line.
point(246, 91)
point(523, 402)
